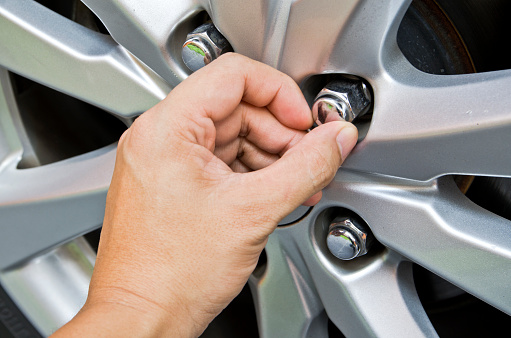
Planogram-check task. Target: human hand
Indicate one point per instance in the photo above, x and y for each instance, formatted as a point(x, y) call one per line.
point(200, 182)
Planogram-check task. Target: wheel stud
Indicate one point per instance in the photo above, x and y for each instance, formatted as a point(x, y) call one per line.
point(203, 45)
point(342, 100)
point(348, 239)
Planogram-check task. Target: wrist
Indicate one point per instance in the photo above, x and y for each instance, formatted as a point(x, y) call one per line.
point(129, 316)
point(151, 318)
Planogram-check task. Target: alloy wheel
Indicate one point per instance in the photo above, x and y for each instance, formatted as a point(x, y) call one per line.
point(424, 129)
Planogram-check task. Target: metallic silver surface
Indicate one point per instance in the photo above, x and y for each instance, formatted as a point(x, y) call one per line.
point(50, 49)
point(302, 279)
point(151, 32)
point(329, 109)
point(299, 308)
point(342, 243)
point(74, 190)
point(343, 99)
point(196, 54)
point(51, 288)
point(423, 136)
point(424, 127)
point(434, 225)
point(203, 45)
point(345, 240)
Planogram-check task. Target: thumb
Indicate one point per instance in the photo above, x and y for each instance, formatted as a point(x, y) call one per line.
point(307, 167)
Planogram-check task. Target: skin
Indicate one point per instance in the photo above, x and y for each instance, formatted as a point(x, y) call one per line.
point(200, 182)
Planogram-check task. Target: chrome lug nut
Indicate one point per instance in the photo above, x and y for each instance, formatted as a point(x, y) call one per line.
point(203, 45)
point(347, 239)
point(342, 100)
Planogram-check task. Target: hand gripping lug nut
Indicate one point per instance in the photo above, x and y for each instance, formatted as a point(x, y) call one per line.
point(203, 45)
point(347, 239)
point(342, 100)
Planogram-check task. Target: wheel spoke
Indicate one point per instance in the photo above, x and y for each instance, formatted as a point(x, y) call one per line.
point(284, 35)
point(50, 49)
point(45, 206)
point(439, 228)
point(10, 144)
point(264, 21)
point(51, 288)
point(425, 126)
point(284, 289)
point(151, 32)
point(369, 292)
point(349, 37)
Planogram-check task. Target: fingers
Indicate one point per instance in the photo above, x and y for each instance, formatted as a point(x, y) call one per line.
point(258, 126)
point(246, 152)
point(239, 167)
point(215, 91)
point(313, 200)
point(306, 168)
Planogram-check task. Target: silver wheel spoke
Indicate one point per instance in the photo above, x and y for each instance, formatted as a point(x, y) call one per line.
point(349, 38)
point(10, 144)
point(425, 126)
point(437, 227)
point(46, 206)
point(52, 288)
point(283, 35)
point(284, 289)
point(360, 307)
point(61, 54)
point(264, 21)
point(148, 31)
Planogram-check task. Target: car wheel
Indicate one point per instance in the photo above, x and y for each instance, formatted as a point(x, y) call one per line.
point(428, 183)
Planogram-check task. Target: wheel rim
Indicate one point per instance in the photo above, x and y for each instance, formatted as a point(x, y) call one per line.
point(397, 179)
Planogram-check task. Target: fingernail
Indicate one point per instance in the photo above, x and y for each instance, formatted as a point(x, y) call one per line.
point(346, 140)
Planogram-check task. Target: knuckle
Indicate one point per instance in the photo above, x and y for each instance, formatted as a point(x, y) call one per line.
point(122, 139)
point(136, 140)
point(139, 130)
point(231, 59)
point(288, 81)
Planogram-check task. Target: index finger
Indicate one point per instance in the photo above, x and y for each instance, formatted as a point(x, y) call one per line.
point(216, 90)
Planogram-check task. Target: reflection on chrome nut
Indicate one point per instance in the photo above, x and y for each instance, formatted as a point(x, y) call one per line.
point(346, 240)
point(342, 100)
point(203, 45)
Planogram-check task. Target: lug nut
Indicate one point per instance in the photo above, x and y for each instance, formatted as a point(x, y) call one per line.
point(342, 100)
point(348, 239)
point(203, 45)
